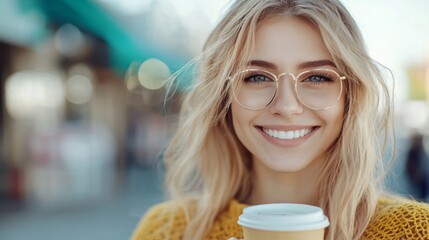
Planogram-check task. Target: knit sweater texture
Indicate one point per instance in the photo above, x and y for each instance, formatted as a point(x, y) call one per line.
point(393, 219)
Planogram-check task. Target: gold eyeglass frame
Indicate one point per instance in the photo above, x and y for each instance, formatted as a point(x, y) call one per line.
point(295, 78)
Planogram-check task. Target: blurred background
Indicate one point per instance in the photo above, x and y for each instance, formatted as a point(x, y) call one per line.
point(82, 113)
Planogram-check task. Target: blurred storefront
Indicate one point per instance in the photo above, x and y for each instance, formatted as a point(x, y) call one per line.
point(74, 112)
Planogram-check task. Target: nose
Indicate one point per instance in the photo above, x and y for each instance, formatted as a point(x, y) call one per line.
point(286, 103)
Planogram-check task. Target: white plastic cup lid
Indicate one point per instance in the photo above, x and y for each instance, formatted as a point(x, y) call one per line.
point(283, 217)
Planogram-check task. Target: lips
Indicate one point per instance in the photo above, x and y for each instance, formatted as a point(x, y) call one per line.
point(288, 135)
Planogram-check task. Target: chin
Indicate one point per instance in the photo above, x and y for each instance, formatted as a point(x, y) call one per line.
point(286, 167)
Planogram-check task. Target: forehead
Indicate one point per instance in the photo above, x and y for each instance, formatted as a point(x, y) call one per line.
point(288, 41)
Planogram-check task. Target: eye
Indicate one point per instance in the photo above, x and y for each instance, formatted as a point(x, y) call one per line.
point(257, 78)
point(318, 77)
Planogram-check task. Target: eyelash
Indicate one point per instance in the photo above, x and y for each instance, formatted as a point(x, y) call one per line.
point(252, 78)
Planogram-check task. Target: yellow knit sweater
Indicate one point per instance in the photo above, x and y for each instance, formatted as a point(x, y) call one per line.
point(393, 219)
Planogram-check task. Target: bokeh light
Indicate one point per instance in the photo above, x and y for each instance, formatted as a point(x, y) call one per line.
point(29, 92)
point(69, 40)
point(153, 74)
point(81, 69)
point(131, 81)
point(415, 115)
point(79, 89)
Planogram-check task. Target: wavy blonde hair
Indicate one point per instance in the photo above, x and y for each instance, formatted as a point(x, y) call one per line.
point(206, 164)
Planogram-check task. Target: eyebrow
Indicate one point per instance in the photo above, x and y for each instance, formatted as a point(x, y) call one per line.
point(313, 64)
point(304, 65)
point(261, 63)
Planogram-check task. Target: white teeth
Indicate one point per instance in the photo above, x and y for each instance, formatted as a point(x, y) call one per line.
point(287, 134)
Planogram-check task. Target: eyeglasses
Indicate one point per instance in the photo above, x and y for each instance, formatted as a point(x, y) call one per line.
point(317, 89)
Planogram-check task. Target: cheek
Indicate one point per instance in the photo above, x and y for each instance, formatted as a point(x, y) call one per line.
point(332, 129)
point(337, 126)
point(241, 121)
point(336, 119)
point(238, 120)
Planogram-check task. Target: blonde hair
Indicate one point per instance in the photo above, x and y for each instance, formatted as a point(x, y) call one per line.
point(206, 164)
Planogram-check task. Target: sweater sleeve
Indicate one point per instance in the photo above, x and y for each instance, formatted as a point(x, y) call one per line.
point(162, 221)
point(403, 220)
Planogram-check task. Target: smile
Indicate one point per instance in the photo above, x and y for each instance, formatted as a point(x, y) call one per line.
point(287, 134)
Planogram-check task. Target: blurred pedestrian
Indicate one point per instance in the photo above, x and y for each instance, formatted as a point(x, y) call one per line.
point(416, 167)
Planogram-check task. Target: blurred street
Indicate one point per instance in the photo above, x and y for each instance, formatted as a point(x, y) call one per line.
point(113, 218)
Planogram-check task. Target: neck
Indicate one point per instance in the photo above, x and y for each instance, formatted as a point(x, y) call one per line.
point(279, 187)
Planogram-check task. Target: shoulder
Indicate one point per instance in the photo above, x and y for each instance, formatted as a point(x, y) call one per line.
point(165, 220)
point(399, 218)
point(168, 220)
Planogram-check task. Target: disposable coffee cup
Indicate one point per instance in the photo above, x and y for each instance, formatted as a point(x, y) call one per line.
point(283, 221)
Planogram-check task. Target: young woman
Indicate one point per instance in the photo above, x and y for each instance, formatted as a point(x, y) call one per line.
point(288, 107)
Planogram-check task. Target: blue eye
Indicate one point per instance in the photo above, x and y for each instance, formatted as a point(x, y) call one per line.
point(318, 78)
point(257, 78)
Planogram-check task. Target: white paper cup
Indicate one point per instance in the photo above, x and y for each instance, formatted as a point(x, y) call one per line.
point(279, 221)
